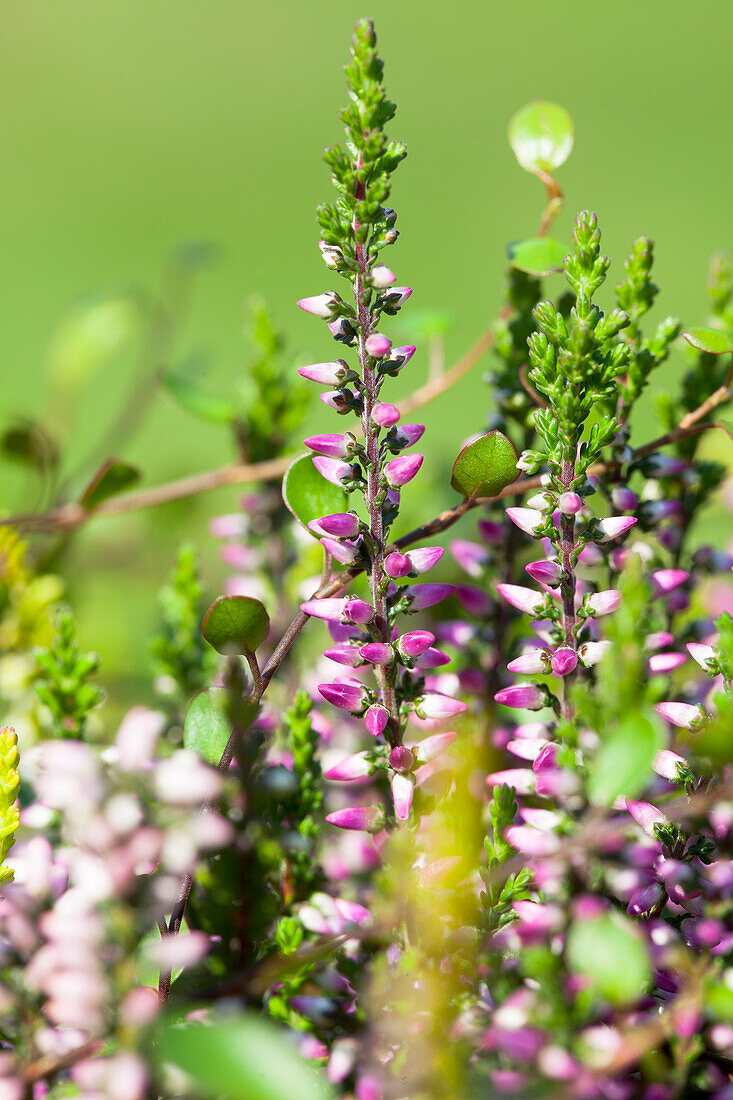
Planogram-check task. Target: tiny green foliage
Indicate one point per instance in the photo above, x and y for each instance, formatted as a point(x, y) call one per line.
point(182, 661)
point(63, 684)
point(112, 477)
point(308, 495)
point(485, 466)
point(236, 624)
point(541, 135)
point(302, 740)
point(537, 256)
point(610, 953)
point(9, 780)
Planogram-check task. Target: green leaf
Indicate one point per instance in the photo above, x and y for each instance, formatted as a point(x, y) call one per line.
point(485, 466)
point(112, 477)
point(623, 763)
point(206, 406)
point(90, 338)
point(240, 1058)
point(610, 952)
point(541, 135)
point(538, 255)
point(308, 495)
point(236, 624)
point(718, 997)
point(711, 340)
point(207, 727)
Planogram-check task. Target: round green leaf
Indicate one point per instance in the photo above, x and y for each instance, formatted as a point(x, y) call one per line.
point(111, 478)
point(236, 624)
point(710, 340)
point(308, 495)
point(623, 763)
point(207, 727)
point(611, 954)
point(541, 135)
point(537, 256)
point(240, 1058)
point(485, 466)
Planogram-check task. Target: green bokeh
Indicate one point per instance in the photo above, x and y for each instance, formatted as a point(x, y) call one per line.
point(129, 126)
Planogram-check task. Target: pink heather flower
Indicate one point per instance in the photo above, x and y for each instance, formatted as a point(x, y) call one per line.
point(333, 469)
point(603, 603)
point(545, 572)
point(432, 658)
point(407, 435)
point(534, 662)
point(326, 374)
point(490, 531)
point(398, 295)
point(527, 748)
point(526, 519)
point(342, 525)
point(569, 504)
point(666, 580)
point(541, 502)
point(564, 661)
point(473, 600)
point(375, 719)
point(381, 276)
point(613, 527)
point(335, 446)
point(377, 345)
point(401, 759)
point(367, 819)
point(666, 764)
point(531, 842)
point(332, 256)
point(546, 757)
point(471, 556)
point(425, 595)
point(522, 779)
point(624, 499)
point(340, 328)
point(403, 788)
point(687, 716)
point(524, 599)
point(377, 653)
point(438, 706)
point(353, 767)
point(590, 555)
point(402, 354)
point(663, 466)
point(644, 899)
point(231, 526)
point(335, 399)
point(401, 470)
point(183, 950)
point(657, 510)
point(659, 663)
point(344, 654)
point(339, 610)
point(415, 642)
point(344, 552)
point(646, 816)
point(349, 696)
point(397, 565)
point(425, 558)
point(522, 696)
point(431, 747)
point(385, 415)
point(658, 640)
point(703, 654)
point(321, 305)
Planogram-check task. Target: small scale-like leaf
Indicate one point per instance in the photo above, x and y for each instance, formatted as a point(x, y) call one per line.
point(610, 952)
point(236, 624)
point(308, 495)
point(538, 255)
point(207, 727)
point(485, 466)
point(541, 135)
point(711, 340)
point(206, 406)
point(623, 763)
point(112, 477)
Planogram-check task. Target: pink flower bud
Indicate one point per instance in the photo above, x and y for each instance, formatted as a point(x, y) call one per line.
point(335, 446)
point(377, 653)
point(366, 819)
point(401, 759)
point(666, 580)
point(646, 816)
point(426, 595)
point(545, 572)
point(685, 715)
point(431, 747)
point(397, 565)
point(569, 504)
point(490, 531)
point(381, 276)
point(531, 841)
point(377, 345)
point(590, 555)
point(613, 527)
point(658, 640)
point(703, 654)
point(564, 661)
point(326, 374)
point(432, 658)
point(415, 642)
point(403, 788)
point(471, 556)
point(425, 558)
point(336, 399)
point(473, 599)
point(402, 354)
point(603, 603)
point(349, 697)
point(342, 525)
point(666, 763)
point(398, 295)
point(438, 706)
point(332, 256)
point(526, 519)
point(534, 662)
point(522, 779)
point(660, 663)
point(644, 899)
point(624, 499)
point(590, 653)
point(353, 767)
point(522, 696)
point(321, 305)
point(401, 470)
point(344, 552)
point(524, 599)
point(358, 611)
point(546, 758)
point(339, 610)
point(663, 466)
point(407, 435)
point(376, 719)
point(385, 415)
point(657, 510)
point(344, 654)
point(333, 470)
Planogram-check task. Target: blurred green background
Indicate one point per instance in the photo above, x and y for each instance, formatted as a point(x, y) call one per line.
point(129, 127)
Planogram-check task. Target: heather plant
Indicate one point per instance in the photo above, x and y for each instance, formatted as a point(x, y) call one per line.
point(294, 878)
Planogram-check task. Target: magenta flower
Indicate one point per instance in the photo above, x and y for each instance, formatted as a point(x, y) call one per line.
point(435, 705)
point(321, 305)
point(401, 355)
point(522, 779)
point(401, 759)
point(398, 295)
point(431, 747)
point(385, 415)
point(545, 572)
point(471, 556)
point(366, 819)
point(376, 719)
point(342, 525)
point(524, 599)
point(646, 816)
point(613, 527)
point(425, 595)
point(353, 767)
point(532, 842)
point(687, 716)
point(339, 610)
point(403, 789)
point(335, 446)
point(534, 662)
point(644, 899)
point(564, 661)
point(658, 640)
point(603, 603)
point(569, 504)
point(522, 696)
point(415, 642)
point(401, 470)
point(661, 663)
point(344, 552)
point(346, 696)
point(407, 435)
point(624, 499)
point(705, 656)
point(667, 764)
point(333, 469)
point(425, 558)
point(433, 658)
point(666, 580)
point(526, 519)
point(397, 564)
point(344, 654)
point(377, 345)
point(377, 653)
